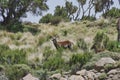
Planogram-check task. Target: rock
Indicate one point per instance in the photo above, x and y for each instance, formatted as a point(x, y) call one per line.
point(57, 76)
point(113, 71)
point(29, 77)
point(63, 78)
point(76, 77)
point(104, 61)
point(82, 72)
point(91, 75)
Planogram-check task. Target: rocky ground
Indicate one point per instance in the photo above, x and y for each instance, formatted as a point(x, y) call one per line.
point(99, 73)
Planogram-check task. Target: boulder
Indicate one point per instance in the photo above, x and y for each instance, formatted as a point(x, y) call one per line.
point(113, 71)
point(104, 61)
point(82, 72)
point(56, 76)
point(76, 77)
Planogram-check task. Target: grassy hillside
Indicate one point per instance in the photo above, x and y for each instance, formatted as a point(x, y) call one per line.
point(39, 50)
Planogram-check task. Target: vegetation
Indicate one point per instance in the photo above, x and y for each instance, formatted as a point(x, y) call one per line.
point(113, 13)
point(27, 47)
point(15, 9)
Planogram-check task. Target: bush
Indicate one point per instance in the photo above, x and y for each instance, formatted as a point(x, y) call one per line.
point(102, 76)
point(80, 59)
point(114, 13)
point(113, 46)
point(54, 63)
point(13, 56)
point(2, 68)
point(41, 74)
point(17, 71)
point(46, 19)
point(100, 42)
point(31, 29)
point(3, 48)
point(15, 27)
point(56, 20)
point(82, 45)
point(90, 18)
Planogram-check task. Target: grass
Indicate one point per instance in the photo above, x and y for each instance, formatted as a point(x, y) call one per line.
point(43, 48)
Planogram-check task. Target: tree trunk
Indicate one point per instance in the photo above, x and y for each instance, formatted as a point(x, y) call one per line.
point(118, 38)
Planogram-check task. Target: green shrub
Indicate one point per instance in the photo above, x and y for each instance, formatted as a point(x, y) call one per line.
point(80, 58)
point(100, 41)
point(102, 76)
point(65, 32)
point(108, 67)
point(114, 13)
point(3, 48)
point(15, 27)
point(13, 56)
point(41, 74)
point(41, 40)
point(47, 53)
point(90, 18)
point(56, 20)
point(82, 44)
point(2, 68)
point(17, 71)
point(33, 30)
point(54, 63)
point(46, 19)
point(113, 46)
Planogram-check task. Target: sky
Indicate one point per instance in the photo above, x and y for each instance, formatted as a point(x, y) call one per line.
point(52, 4)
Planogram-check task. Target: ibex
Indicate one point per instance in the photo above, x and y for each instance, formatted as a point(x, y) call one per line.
point(62, 44)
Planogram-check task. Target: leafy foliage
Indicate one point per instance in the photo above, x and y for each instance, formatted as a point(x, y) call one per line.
point(46, 19)
point(100, 42)
point(56, 20)
point(82, 45)
point(17, 71)
point(114, 13)
point(80, 58)
point(90, 18)
point(13, 10)
point(113, 46)
point(8, 56)
point(53, 63)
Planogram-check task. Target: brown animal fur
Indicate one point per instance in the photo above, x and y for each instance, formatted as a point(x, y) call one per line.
point(62, 44)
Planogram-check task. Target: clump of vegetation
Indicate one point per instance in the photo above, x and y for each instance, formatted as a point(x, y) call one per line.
point(113, 13)
point(80, 58)
point(100, 42)
point(2, 67)
point(15, 27)
point(47, 53)
point(56, 20)
point(46, 19)
point(54, 63)
point(41, 40)
point(17, 71)
point(13, 56)
point(82, 44)
point(113, 46)
point(90, 18)
point(102, 76)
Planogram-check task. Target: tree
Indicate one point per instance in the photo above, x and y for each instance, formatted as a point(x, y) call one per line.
point(13, 10)
point(71, 9)
point(61, 12)
point(102, 5)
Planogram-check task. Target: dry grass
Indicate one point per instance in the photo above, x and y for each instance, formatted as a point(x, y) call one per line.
point(65, 31)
